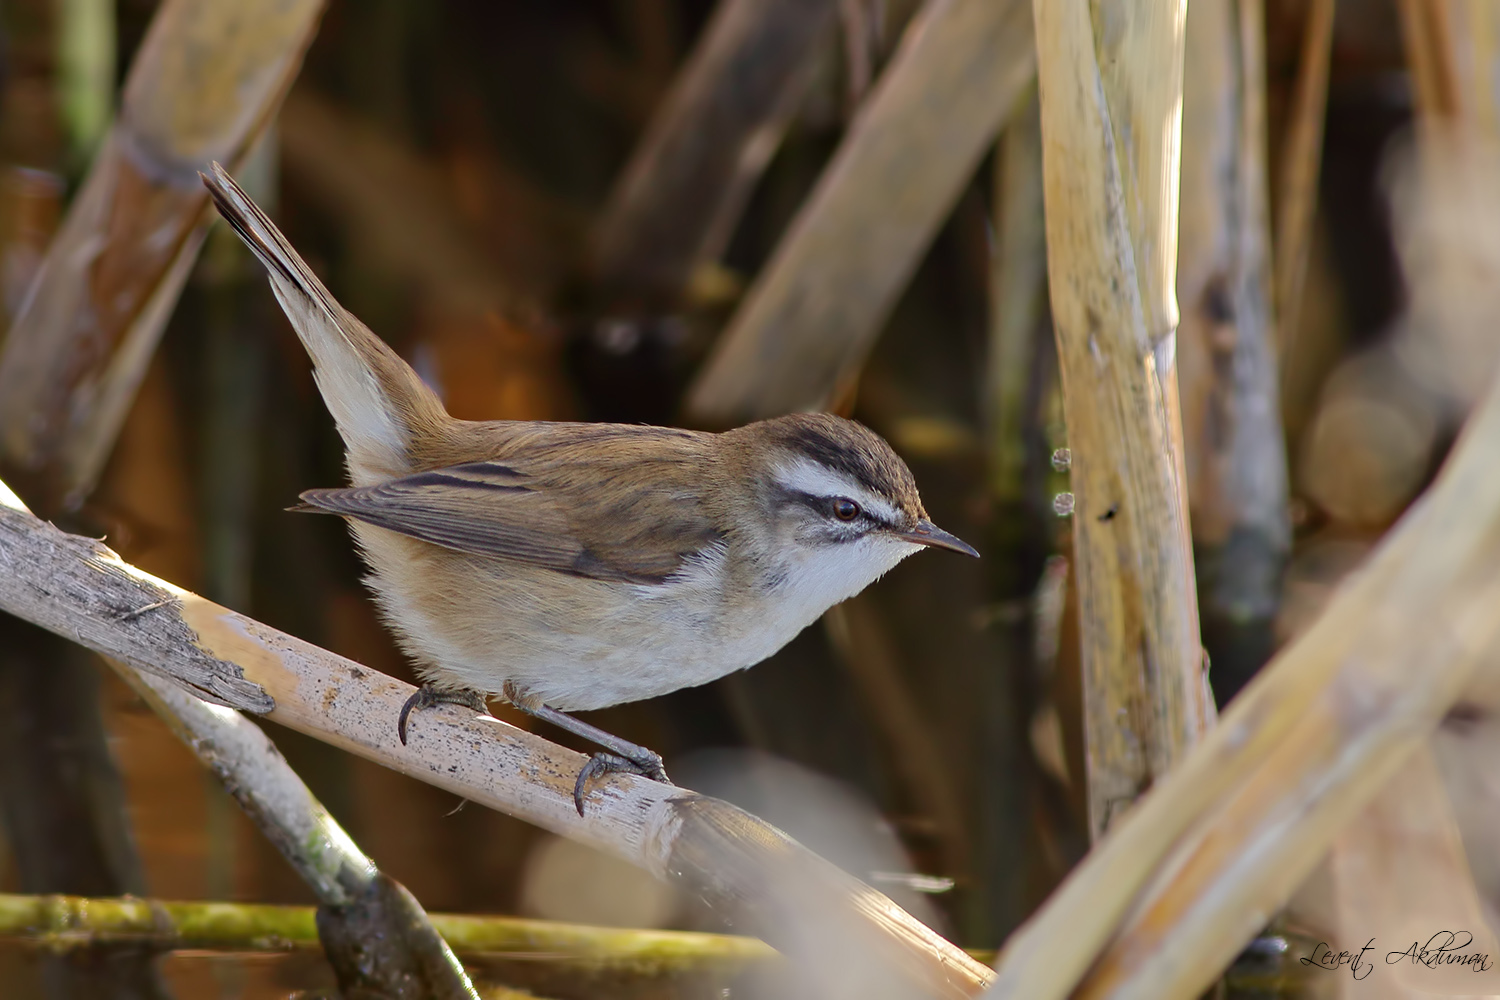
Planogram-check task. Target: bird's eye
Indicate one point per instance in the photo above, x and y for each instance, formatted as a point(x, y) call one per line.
point(845, 510)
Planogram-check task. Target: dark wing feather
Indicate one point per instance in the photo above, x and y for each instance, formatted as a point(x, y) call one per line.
point(543, 517)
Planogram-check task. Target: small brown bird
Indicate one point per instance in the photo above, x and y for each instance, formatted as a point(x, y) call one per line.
point(572, 566)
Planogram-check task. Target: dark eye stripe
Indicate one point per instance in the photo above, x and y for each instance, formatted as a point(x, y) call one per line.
point(824, 506)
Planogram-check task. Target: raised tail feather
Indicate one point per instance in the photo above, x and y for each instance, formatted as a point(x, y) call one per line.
point(377, 401)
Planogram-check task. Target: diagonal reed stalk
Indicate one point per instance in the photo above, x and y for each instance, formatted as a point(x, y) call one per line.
point(1166, 900)
point(81, 590)
point(806, 324)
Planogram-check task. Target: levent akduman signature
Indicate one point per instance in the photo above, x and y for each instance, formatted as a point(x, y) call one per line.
point(1443, 949)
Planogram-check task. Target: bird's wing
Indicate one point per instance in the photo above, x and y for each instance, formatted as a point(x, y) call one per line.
point(495, 508)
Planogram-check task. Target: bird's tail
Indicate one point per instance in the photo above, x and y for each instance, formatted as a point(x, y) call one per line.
point(379, 404)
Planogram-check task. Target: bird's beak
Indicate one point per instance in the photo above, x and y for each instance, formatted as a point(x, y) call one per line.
point(927, 533)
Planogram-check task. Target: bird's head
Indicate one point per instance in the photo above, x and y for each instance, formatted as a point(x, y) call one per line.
point(832, 499)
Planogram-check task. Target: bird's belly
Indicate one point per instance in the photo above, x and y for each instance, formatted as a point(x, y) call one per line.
point(573, 642)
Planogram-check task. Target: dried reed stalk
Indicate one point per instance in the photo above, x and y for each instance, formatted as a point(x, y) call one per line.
point(81, 590)
point(1481, 18)
point(1451, 61)
point(677, 200)
point(340, 875)
point(1300, 159)
point(1109, 167)
point(204, 81)
point(208, 76)
point(812, 314)
point(1427, 35)
point(357, 901)
point(63, 922)
point(1227, 374)
point(1165, 902)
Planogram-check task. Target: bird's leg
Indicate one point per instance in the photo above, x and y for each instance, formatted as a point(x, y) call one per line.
point(429, 695)
point(622, 756)
point(645, 762)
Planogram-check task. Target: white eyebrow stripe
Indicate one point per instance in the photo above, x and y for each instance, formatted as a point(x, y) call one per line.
point(803, 475)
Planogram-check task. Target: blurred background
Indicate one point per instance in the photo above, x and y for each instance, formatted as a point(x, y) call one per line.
point(449, 169)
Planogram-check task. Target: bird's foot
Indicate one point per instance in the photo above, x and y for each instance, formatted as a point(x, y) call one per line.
point(428, 696)
point(620, 756)
point(641, 761)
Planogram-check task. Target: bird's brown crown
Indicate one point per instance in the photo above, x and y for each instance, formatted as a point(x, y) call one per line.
point(852, 449)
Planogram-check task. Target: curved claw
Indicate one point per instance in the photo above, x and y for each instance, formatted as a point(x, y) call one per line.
point(427, 696)
point(601, 764)
point(411, 703)
point(597, 766)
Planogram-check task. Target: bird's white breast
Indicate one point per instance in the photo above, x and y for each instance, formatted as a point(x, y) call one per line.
point(580, 644)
